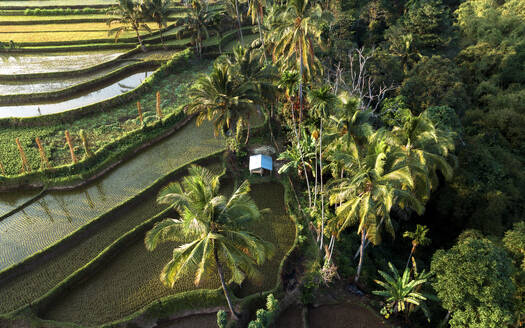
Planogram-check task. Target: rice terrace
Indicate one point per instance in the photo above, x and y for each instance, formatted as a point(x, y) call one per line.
point(262, 163)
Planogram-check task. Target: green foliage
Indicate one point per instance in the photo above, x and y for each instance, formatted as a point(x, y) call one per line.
point(62, 11)
point(394, 111)
point(445, 118)
point(435, 81)
point(473, 281)
point(265, 317)
point(402, 291)
point(223, 98)
point(514, 241)
point(222, 319)
point(430, 22)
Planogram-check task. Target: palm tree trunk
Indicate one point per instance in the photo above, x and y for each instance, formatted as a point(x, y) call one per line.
point(238, 20)
point(260, 32)
point(303, 162)
point(301, 68)
point(221, 276)
point(361, 251)
point(331, 246)
point(140, 40)
point(410, 256)
point(321, 180)
point(161, 36)
point(315, 183)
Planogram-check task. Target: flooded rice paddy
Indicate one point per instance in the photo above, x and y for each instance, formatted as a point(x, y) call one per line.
point(51, 62)
point(57, 214)
point(48, 3)
point(89, 97)
point(53, 84)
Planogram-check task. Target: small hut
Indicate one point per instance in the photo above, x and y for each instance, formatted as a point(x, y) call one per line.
point(260, 163)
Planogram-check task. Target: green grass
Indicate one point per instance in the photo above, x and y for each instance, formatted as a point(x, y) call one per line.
point(131, 281)
point(101, 128)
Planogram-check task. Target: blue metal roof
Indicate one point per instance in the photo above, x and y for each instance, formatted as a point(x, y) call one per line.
point(261, 161)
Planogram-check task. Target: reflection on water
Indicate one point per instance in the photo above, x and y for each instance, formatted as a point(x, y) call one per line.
point(10, 200)
point(53, 84)
point(47, 3)
point(110, 91)
point(51, 62)
point(59, 213)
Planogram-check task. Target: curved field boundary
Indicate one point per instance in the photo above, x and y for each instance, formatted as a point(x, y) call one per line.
point(56, 7)
point(66, 93)
point(105, 40)
point(84, 71)
point(84, 47)
point(54, 21)
point(176, 303)
point(93, 227)
point(69, 240)
point(175, 64)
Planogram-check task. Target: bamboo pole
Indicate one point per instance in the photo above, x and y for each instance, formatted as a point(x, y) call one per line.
point(71, 150)
point(25, 166)
point(2, 168)
point(139, 109)
point(43, 158)
point(159, 111)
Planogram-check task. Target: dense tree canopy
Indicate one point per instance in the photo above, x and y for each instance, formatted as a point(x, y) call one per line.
point(473, 281)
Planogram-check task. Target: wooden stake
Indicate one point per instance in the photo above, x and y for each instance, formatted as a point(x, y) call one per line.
point(159, 111)
point(43, 157)
point(25, 166)
point(140, 113)
point(2, 168)
point(71, 151)
point(85, 144)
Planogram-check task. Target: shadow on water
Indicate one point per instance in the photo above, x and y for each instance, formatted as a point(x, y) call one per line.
point(87, 98)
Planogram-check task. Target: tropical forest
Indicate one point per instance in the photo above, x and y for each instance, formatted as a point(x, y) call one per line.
point(262, 163)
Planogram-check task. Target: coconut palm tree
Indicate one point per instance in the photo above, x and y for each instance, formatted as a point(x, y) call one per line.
point(256, 11)
point(159, 12)
point(221, 98)
point(419, 237)
point(198, 21)
point(426, 151)
point(295, 32)
point(402, 291)
point(130, 16)
point(322, 102)
point(212, 230)
point(376, 180)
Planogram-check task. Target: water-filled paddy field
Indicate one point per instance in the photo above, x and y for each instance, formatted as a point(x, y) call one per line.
point(53, 84)
point(130, 282)
point(48, 3)
point(11, 63)
point(59, 213)
point(90, 97)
